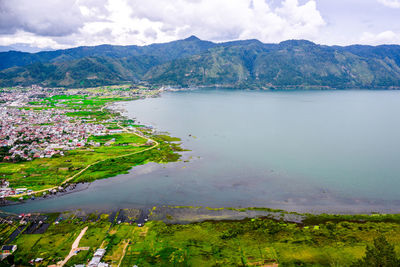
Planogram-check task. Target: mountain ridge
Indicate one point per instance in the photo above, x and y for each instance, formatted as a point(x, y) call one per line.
point(195, 62)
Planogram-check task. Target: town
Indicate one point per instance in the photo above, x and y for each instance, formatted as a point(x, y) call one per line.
point(45, 123)
point(36, 134)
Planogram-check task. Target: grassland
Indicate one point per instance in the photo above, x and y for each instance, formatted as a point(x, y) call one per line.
point(249, 242)
point(165, 152)
point(53, 245)
point(119, 139)
point(48, 172)
point(78, 102)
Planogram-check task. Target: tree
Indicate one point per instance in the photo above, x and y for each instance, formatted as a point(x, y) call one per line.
point(8, 261)
point(381, 254)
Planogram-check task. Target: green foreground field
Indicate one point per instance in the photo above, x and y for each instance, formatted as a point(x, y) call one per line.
point(334, 241)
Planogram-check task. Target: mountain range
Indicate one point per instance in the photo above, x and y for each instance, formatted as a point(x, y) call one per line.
point(193, 62)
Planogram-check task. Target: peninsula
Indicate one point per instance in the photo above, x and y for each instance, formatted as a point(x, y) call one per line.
point(52, 139)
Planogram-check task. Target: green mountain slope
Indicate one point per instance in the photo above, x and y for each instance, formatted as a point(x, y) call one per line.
point(192, 62)
point(291, 63)
point(164, 52)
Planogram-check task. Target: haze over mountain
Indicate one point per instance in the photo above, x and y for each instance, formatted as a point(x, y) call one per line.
point(193, 62)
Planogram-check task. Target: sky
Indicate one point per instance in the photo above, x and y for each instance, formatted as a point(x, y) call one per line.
point(54, 24)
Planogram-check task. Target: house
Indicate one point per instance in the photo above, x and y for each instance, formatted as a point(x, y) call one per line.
point(20, 190)
point(8, 249)
point(114, 131)
point(95, 261)
point(4, 184)
point(149, 143)
point(99, 253)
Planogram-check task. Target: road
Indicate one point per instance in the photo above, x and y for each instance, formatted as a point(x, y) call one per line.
point(97, 162)
point(74, 246)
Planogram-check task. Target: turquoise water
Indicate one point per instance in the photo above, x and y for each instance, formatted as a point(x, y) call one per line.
point(335, 151)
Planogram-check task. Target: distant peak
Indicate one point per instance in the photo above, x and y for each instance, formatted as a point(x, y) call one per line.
point(297, 42)
point(192, 38)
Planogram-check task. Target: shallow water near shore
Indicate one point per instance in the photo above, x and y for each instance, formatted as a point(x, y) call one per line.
point(306, 151)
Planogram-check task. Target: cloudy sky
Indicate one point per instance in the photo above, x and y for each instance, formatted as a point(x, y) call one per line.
point(53, 24)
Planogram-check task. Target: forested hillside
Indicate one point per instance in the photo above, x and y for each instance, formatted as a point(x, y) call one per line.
point(193, 62)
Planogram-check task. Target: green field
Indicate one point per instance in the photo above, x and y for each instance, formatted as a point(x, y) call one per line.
point(79, 102)
point(249, 242)
point(123, 138)
point(47, 172)
point(164, 153)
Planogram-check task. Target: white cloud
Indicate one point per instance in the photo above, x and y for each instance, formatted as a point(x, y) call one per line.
point(390, 3)
point(386, 37)
point(90, 22)
point(232, 19)
point(45, 18)
point(21, 37)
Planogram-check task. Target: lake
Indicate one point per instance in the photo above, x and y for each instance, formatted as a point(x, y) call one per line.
point(307, 151)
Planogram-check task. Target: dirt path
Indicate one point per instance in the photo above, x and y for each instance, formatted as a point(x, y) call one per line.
point(124, 252)
point(97, 162)
point(102, 244)
point(74, 246)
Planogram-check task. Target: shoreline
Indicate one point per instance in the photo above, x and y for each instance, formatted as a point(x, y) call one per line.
point(341, 206)
point(377, 205)
point(141, 132)
point(182, 215)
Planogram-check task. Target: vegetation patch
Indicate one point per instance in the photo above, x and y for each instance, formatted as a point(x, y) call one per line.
point(248, 242)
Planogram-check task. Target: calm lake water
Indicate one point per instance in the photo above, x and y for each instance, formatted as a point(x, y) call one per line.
point(314, 151)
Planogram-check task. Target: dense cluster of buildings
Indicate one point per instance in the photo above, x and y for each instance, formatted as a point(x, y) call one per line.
point(16, 97)
point(26, 134)
point(29, 134)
